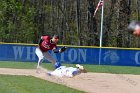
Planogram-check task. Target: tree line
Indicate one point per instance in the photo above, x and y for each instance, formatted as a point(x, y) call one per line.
point(24, 21)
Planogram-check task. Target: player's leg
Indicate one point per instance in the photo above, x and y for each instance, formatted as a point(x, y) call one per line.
point(70, 72)
point(40, 56)
point(66, 73)
point(51, 59)
point(55, 73)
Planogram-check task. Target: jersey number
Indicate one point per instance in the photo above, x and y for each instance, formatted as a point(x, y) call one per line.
point(46, 46)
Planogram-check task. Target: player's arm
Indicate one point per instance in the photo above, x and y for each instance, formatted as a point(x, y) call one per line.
point(41, 40)
point(55, 50)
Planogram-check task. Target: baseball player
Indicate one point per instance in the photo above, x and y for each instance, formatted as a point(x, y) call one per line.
point(46, 43)
point(64, 71)
point(134, 28)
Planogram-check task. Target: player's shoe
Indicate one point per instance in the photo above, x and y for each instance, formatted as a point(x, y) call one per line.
point(57, 65)
point(49, 73)
point(38, 70)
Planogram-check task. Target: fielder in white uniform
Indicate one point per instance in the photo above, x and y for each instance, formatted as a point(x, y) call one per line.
point(64, 71)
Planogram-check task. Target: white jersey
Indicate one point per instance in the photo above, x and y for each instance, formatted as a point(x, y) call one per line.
point(64, 71)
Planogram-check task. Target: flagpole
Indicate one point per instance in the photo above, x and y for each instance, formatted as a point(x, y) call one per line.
point(101, 33)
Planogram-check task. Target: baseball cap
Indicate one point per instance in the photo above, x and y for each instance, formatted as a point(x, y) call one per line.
point(56, 36)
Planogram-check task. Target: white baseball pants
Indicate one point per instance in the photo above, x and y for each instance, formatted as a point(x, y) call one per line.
point(43, 55)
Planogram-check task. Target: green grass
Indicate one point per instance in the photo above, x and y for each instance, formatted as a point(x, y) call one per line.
point(29, 84)
point(113, 69)
point(20, 65)
point(90, 68)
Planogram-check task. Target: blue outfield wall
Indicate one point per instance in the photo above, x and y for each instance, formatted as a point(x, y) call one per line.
point(81, 55)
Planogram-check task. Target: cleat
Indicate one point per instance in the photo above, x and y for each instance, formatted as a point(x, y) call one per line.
point(49, 73)
point(38, 70)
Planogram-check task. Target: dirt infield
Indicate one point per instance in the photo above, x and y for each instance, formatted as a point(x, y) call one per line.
point(88, 82)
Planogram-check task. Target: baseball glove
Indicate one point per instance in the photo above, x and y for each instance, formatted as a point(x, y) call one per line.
point(63, 49)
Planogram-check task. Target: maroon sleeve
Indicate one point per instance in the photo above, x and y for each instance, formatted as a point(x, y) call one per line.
point(45, 37)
